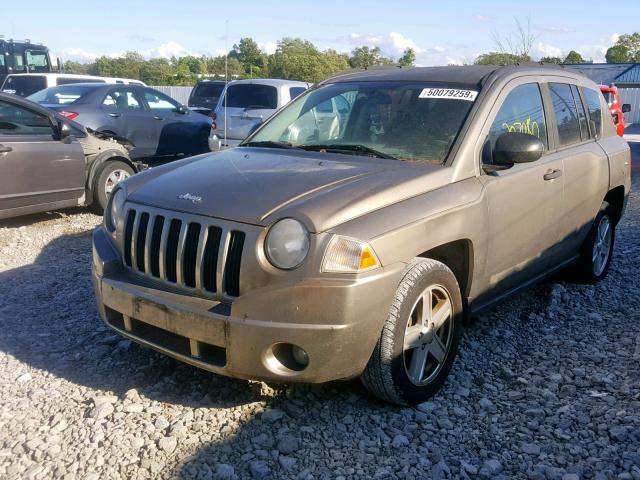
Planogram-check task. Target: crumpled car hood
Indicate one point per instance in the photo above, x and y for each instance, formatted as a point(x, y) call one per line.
point(259, 186)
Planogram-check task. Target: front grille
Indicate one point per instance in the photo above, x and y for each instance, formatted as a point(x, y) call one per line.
point(193, 255)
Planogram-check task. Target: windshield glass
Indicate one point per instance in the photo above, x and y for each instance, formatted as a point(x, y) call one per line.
point(37, 61)
point(400, 120)
point(24, 85)
point(62, 95)
point(609, 97)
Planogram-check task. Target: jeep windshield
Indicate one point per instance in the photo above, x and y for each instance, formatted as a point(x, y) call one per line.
point(395, 120)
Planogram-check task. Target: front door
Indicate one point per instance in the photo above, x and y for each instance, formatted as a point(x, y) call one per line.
point(35, 167)
point(524, 201)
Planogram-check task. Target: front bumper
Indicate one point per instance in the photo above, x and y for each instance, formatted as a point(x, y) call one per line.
point(337, 321)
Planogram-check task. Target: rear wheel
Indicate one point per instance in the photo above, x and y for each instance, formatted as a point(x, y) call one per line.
point(419, 340)
point(107, 178)
point(597, 250)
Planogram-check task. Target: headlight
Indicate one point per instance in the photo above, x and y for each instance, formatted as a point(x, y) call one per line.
point(348, 255)
point(287, 244)
point(115, 210)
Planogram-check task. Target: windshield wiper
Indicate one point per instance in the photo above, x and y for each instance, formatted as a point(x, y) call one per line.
point(268, 144)
point(345, 147)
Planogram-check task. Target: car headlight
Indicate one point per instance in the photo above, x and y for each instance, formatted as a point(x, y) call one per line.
point(348, 255)
point(287, 244)
point(115, 210)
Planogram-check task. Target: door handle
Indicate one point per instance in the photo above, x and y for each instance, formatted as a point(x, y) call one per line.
point(156, 117)
point(4, 149)
point(115, 115)
point(551, 174)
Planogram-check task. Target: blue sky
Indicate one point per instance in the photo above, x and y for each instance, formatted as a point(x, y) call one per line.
point(440, 31)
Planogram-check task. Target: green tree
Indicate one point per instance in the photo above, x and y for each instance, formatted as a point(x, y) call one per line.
point(157, 71)
point(216, 66)
point(554, 60)
point(573, 57)
point(408, 58)
point(626, 49)
point(299, 59)
point(500, 58)
point(247, 52)
point(618, 54)
point(195, 65)
point(365, 57)
point(76, 67)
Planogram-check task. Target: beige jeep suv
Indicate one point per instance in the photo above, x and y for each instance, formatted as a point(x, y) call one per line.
point(347, 236)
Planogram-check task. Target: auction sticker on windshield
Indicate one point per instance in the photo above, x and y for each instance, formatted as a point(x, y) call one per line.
point(452, 93)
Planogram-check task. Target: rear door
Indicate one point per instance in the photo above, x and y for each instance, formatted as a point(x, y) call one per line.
point(35, 167)
point(585, 165)
point(247, 104)
point(126, 115)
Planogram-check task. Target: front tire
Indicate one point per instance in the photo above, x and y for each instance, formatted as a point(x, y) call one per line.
point(597, 250)
point(419, 340)
point(108, 176)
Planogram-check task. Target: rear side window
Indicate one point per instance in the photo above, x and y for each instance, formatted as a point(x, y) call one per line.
point(582, 116)
point(595, 111)
point(16, 120)
point(62, 95)
point(252, 96)
point(24, 86)
point(295, 91)
point(71, 80)
point(521, 112)
point(566, 114)
point(211, 90)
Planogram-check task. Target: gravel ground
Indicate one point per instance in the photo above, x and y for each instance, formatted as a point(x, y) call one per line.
point(546, 387)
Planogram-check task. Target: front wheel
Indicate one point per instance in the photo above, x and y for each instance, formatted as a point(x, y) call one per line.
point(419, 340)
point(109, 175)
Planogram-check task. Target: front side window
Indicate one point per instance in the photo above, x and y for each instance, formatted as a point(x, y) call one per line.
point(17, 120)
point(122, 100)
point(595, 111)
point(522, 112)
point(159, 101)
point(396, 120)
point(566, 114)
point(37, 61)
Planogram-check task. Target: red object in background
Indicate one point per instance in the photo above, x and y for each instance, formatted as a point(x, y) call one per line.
point(615, 107)
point(69, 115)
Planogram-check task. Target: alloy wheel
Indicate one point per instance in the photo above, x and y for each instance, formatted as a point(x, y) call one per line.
point(601, 246)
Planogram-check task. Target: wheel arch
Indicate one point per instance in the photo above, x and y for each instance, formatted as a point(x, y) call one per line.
point(615, 198)
point(97, 163)
point(458, 256)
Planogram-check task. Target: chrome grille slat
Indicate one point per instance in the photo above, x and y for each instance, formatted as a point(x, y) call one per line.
point(163, 248)
point(187, 251)
point(134, 241)
point(180, 254)
point(202, 241)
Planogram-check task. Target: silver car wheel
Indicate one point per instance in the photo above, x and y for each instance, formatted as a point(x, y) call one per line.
point(601, 246)
point(113, 178)
point(428, 335)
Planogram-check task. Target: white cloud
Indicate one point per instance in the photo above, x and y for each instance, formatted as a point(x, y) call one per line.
point(483, 18)
point(393, 44)
point(268, 47)
point(546, 50)
point(614, 37)
point(596, 52)
point(77, 55)
point(168, 50)
point(165, 50)
point(557, 30)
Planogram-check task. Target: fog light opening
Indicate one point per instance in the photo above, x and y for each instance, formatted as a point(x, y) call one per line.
point(286, 358)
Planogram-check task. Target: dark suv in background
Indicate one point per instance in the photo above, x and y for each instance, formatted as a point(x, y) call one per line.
point(205, 95)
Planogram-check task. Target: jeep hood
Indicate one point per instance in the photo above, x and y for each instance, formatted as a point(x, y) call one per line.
point(259, 185)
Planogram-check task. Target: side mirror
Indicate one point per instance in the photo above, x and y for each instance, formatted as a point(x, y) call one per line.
point(517, 147)
point(64, 131)
point(182, 110)
point(626, 107)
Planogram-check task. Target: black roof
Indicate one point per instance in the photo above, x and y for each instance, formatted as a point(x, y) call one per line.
point(467, 75)
point(463, 75)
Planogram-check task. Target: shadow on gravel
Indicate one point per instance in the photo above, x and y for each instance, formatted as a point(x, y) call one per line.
point(32, 219)
point(49, 321)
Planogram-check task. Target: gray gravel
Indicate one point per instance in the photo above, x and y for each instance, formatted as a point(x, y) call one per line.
point(546, 387)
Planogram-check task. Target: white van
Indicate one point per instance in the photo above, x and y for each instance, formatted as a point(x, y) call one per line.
point(24, 84)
